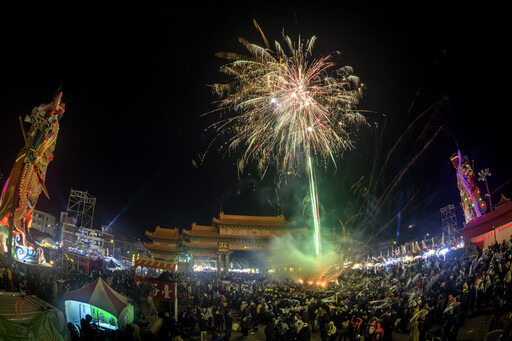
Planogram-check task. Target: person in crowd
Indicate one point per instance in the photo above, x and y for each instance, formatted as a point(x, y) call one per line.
point(304, 333)
point(270, 333)
point(246, 325)
point(203, 325)
point(229, 324)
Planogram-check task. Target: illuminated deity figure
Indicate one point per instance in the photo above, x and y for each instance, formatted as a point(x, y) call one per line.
point(27, 180)
point(472, 203)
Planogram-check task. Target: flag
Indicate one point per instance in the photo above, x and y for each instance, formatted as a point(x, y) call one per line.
point(442, 239)
point(423, 244)
point(433, 242)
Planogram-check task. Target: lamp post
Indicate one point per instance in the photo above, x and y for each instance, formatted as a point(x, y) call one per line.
point(482, 176)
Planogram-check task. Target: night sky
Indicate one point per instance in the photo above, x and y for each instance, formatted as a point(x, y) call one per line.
point(134, 79)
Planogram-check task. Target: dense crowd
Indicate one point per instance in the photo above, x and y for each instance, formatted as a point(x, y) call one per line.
point(50, 284)
point(429, 299)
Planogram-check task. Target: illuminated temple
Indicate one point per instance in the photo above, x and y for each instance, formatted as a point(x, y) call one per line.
point(227, 233)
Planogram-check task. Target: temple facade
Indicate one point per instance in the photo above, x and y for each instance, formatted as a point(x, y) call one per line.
point(226, 234)
point(490, 228)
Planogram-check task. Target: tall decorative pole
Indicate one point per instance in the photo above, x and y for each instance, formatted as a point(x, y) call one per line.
point(482, 176)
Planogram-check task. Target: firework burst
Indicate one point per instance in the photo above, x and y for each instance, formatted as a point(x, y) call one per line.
point(286, 107)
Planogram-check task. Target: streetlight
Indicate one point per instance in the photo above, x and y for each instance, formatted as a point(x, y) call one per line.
point(482, 176)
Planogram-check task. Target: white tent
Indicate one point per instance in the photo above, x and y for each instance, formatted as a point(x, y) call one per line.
point(108, 308)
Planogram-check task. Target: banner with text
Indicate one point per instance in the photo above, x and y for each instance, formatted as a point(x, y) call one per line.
point(162, 291)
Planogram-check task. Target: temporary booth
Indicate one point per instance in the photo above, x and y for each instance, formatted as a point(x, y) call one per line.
point(25, 317)
point(108, 308)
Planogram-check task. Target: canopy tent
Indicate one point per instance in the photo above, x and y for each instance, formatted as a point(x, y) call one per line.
point(154, 264)
point(30, 318)
point(107, 307)
point(112, 263)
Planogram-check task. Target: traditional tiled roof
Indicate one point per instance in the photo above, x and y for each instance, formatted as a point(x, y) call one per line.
point(172, 247)
point(203, 231)
point(164, 233)
point(244, 220)
point(503, 200)
point(213, 232)
point(207, 237)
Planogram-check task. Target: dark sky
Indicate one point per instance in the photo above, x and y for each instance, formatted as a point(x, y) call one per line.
point(134, 80)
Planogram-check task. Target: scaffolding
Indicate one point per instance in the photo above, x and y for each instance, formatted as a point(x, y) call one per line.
point(449, 220)
point(81, 208)
point(79, 215)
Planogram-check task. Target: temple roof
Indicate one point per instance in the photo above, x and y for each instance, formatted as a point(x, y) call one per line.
point(203, 231)
point(252, 227)
point(228, 236)
point(228, 219)
point(500, 216)
point(164, 233)
point(158, 247)
point(503, 201)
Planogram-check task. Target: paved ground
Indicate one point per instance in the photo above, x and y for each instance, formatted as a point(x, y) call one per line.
point(473, 329)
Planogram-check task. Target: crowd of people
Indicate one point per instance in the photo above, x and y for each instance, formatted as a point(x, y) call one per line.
point(50, 283)
point(428, 299)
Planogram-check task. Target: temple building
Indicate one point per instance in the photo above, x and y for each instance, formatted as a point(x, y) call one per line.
point(493, 227)
point(226, 234)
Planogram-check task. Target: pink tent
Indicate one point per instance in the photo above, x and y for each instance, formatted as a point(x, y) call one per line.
point(100, 295)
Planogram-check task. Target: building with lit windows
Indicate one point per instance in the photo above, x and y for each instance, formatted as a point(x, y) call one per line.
point(44, 222)
point(85, 240)
point(128, 248)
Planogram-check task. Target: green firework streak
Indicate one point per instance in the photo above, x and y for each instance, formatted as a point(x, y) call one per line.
point(314, 208)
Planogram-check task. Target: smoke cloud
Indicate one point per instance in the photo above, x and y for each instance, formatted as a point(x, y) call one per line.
point(296, 251)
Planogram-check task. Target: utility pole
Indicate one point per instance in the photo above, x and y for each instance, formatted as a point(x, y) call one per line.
point(482, 176)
